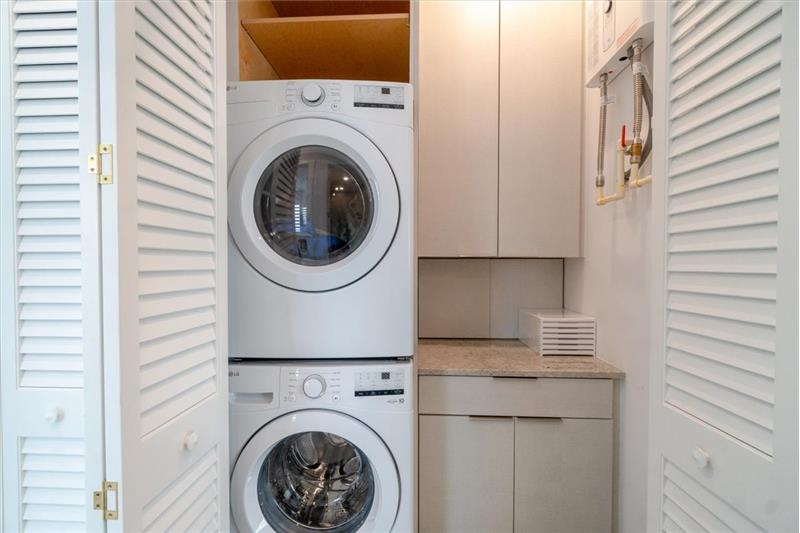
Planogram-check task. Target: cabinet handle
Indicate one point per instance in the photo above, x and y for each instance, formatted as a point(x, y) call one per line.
point(488, 417)
point(515, 378)
point(543, 418)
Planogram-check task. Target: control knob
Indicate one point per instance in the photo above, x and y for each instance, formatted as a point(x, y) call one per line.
point(314, 386)
point(312, 94)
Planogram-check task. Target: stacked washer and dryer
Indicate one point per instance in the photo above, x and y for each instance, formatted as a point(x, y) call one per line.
point(322, 306)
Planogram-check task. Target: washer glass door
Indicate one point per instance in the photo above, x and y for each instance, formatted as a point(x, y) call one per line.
point(316, 471)
point(313, 204)
point(316, 480)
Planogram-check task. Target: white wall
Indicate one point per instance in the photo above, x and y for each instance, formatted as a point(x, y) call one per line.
point(611, 283)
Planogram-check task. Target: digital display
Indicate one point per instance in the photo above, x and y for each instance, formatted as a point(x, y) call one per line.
point(379, 97)
point(379, 382)
point(384, 392)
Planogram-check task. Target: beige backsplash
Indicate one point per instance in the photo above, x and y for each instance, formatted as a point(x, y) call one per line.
point(479, 298)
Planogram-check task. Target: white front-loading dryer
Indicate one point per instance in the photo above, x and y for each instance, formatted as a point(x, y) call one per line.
point(320, 211)
point(322, 447)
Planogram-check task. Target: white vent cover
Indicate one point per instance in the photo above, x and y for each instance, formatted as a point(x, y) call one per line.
point(557, 331)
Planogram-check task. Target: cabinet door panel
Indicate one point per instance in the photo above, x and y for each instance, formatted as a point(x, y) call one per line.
point(562, 475)
point(457, 128)
point(540, 129)
point(466, 472)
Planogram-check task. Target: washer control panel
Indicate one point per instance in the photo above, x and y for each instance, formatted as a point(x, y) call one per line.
point(327, 384)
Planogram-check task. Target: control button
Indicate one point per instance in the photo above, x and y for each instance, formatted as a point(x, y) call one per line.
point(314, 386)
point(334, 107)
point(336, 397)
point(313, 94)
point(292, 397)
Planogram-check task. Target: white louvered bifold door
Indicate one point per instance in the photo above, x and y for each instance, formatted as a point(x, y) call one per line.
point(725, 367)
point(50, 340)
point(164, 247)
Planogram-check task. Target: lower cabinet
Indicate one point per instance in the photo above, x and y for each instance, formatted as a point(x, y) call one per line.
point(562, 475)
point(466, 474)
point(521, 468)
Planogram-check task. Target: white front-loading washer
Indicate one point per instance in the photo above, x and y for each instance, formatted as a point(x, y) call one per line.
point(324, 447)
point(321, 214)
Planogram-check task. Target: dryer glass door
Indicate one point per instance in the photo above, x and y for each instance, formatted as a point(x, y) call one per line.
point(313, 204)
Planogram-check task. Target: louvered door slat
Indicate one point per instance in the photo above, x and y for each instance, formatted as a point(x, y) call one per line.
point(45, 6)
point(723, 452)
point(46, 21)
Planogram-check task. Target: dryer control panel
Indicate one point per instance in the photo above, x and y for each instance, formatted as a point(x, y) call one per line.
point(373, 101)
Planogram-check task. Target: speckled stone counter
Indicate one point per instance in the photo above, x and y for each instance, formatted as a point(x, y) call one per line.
point(440, 357)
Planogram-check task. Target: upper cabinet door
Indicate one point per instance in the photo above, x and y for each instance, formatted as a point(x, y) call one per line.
point(164, 251)
point(540, 129)
point(457, 128)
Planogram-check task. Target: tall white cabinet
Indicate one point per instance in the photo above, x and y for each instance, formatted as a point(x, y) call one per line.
point(499, 128)
point(114, 343)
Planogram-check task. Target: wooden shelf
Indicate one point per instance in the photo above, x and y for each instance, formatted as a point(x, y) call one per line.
point(317, 8)
point(355, 47)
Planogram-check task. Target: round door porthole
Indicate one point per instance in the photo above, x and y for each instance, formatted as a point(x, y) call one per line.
point(315, 471)
point(317, 481)
point(313, 205)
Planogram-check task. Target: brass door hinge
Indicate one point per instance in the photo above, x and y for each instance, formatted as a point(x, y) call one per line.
point(95, 164)
point(101, 500)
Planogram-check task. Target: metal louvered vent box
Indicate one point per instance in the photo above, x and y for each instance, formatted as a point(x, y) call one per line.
point(557, 331)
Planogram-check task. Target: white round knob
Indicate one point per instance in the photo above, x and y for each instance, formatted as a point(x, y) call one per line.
point(313, 94)
point(314, 386)
point(701, 457)
point(190, 440)
point(54, 415)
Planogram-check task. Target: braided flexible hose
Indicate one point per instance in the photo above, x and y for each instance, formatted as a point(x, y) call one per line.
point(638, 94)
point(600, 179)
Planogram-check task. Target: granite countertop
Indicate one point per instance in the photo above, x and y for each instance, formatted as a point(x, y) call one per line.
point(445, 357)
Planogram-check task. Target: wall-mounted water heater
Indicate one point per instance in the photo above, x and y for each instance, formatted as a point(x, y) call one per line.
point(611, 28)
point(617, 32)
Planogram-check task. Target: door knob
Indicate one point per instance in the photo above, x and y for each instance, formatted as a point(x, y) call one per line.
point(54, 415)
point(190, 440)
point(701, 457)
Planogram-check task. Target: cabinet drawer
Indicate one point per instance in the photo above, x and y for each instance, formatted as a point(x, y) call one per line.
point(535, 397)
